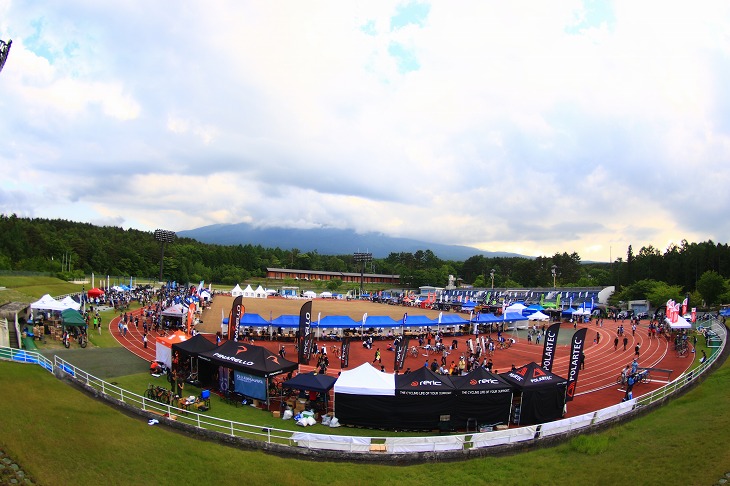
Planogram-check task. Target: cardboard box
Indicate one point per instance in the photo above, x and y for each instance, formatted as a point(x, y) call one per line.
point(276, 414)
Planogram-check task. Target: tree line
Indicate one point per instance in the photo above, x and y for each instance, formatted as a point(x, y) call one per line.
point(74, 250)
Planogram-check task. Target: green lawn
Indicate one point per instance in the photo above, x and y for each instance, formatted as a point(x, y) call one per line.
point(62, 436)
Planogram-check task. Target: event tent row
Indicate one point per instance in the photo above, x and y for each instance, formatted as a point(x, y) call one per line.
point(365, 396)
point(48, 303)
point(421, 399)
point(346, 322)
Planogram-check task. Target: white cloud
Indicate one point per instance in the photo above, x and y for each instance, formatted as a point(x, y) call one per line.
point(532, 128)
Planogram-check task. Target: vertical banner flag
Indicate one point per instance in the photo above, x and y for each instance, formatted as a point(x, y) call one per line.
point(548, 350)
point(404, 351)
point(576, 352)
point(345, 353)
point(398, 352)
point(234, 318)
point(305, 320)
point(191, 315)
point(310, 345)
point(685, 303)
point(694, 314)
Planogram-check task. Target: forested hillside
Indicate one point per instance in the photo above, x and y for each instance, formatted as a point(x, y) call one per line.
point(71, 249)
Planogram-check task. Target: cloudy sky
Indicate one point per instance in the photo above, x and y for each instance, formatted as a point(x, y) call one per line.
point(531, 127)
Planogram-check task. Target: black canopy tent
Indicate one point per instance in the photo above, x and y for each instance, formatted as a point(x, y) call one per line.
point(312, 381)
point(541, 394)
point(185, 355)
point(421, 398)
point(482, 396)
point(250, 360)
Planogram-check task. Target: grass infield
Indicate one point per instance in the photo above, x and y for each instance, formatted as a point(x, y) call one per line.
point(62, 436)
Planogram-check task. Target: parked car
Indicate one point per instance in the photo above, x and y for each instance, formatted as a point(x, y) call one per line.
point(642, 315)
point(625, 314)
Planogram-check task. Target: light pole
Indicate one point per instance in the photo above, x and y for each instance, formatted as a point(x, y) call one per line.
point(163, 236)
point(491, 274)
point(363, 258)
point(554, 269)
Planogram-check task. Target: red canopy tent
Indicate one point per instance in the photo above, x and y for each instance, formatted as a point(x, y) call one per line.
point(95, 292)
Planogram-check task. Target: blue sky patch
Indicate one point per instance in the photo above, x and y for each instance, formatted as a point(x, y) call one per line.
point(410, 14)
point(405, 57)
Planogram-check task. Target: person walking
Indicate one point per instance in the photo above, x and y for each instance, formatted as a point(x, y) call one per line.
point(615, 344)
point(637, 348)
point(377, 356)
point(626, 342)
point(144, 341)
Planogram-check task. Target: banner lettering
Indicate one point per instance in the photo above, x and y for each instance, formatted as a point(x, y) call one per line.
point(576, 357)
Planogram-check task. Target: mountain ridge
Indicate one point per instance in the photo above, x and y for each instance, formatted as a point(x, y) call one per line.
point(329, 241)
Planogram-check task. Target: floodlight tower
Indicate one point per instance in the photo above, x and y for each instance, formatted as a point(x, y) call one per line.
point(4, 50)
point(163, 236)
point(363, 259)
point(491, 274)
point(554, 271)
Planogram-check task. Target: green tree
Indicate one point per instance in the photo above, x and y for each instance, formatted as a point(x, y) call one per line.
point(711, 286)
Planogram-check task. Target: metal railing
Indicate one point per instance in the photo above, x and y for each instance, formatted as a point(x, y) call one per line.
point(387, 445)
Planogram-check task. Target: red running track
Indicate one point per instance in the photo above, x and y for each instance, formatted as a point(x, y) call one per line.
point(597, 383)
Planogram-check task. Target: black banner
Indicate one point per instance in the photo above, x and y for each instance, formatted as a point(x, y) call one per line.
point(398, 345)
point(551, 343)
point(404, 352)
point(345, 353)
point(309, 345)
point(305, 321)
point(234, 318)
point(576, 356)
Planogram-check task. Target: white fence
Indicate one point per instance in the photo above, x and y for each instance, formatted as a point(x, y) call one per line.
point(365, 445)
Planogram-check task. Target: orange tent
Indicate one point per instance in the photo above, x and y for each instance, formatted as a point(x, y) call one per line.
point(163, 351)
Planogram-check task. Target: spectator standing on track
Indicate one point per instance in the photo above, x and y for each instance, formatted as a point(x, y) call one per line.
point(626, 342)
point(637, 348)
point(615, 344)
point(144, 341)
point(582, 361)
point(598, 337)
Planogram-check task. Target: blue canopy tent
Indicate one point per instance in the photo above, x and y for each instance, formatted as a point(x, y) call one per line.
point(380, 321)
point(286, 320)
point(335, 322)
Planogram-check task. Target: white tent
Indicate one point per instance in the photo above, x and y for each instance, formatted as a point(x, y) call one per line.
point(681, 323)
point(538, 316)
point(236, 291)
point(248, 291)
point(365, 380)
point(326, 295)
point(69, 303)
point(260, 293)
point(514, 309)
point(310, 294)
point(47, 303)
